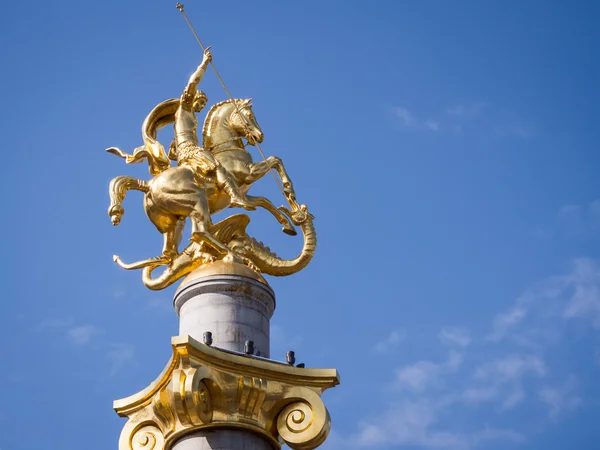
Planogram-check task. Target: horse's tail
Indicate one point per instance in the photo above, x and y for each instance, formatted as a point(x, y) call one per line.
point(117, 190)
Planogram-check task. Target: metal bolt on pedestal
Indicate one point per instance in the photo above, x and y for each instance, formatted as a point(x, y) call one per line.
point(290, 357)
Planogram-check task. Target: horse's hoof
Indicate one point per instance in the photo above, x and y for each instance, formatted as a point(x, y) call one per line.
point(289, 230)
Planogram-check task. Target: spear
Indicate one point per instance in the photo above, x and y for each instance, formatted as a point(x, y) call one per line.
point(180, 7)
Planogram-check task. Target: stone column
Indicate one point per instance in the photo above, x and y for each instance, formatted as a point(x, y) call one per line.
point(214, 397)
point(231, 301)
point(235, 304)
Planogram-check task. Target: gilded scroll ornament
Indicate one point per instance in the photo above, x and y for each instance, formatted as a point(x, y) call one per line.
point(207, 179)
point(195, 391)
point(304, 423)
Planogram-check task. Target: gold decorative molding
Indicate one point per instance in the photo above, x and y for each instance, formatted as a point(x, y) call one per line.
point(204, 387)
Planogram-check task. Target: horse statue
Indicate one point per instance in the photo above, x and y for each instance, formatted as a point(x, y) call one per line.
point(176, 193)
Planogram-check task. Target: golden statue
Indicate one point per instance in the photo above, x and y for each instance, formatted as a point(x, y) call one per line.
point(207, 180)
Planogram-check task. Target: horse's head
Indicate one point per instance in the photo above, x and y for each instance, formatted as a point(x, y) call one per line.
point(246, 126)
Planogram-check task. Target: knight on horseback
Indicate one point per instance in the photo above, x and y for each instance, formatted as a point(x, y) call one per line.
point(186, 149)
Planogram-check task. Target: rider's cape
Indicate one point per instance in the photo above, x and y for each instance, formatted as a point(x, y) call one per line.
point(153, 151)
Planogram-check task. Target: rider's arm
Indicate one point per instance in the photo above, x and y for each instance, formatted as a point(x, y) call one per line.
point(190, 89)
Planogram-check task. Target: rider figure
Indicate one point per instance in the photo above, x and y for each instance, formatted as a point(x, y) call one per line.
point(188, 150)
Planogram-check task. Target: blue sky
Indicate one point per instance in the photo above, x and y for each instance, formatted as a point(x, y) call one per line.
point(448, 150)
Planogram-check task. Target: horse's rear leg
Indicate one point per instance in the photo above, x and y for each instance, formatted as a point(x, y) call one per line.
point(172, 239)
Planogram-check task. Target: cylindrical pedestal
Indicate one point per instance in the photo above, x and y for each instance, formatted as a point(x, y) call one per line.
point(235, 304)
point(232, 302)
point(223, 439)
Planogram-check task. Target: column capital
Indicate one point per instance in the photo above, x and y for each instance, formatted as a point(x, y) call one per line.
point(204, 387)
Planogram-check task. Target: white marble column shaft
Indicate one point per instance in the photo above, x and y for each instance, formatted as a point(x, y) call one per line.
point(234, 309)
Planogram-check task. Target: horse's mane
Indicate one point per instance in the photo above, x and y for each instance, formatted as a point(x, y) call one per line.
point(211, 113)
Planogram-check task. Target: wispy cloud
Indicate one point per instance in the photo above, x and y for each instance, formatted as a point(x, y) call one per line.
point(466, 117)
point(561, 399)
point(388, 344)
point(119, 355)
point(408, 120)
point(454, 336)
point(82, 335)
point(504, 321)
point(510, 368)
point(466, 110)
point(88, 336)
point(573, 220)
point(424, 374)
point(536, 315)
point(77, 334)
point(504, 369)
point(501, 380)
point(417, 423)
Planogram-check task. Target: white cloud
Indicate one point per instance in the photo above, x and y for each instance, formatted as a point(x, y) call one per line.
point(584, 301)
point(454, 336)
point(408, 119)
point(405, 423)
point(573, 220)
point(511, 368)
point(431, 125)
point(504, 321)
point(81, 335)
point(423, 374)
point(480, 394)
point(508, 369)
point(119, 355)
point(561, 399)
point(77, 334)
point(417, 423)
point(512, 399)
point(395, 338)
point(467, 111)
point(501, 381)
point(417, 376)
point(539, 315)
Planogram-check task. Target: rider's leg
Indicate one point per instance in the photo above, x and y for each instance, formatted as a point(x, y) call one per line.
point(200, 234)
point(228, 184)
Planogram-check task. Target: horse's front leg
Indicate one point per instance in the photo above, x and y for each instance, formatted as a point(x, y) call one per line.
point(259, 169)
point(288, 227)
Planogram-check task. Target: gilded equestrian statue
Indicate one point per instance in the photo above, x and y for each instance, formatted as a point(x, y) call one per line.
point(206, 180)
